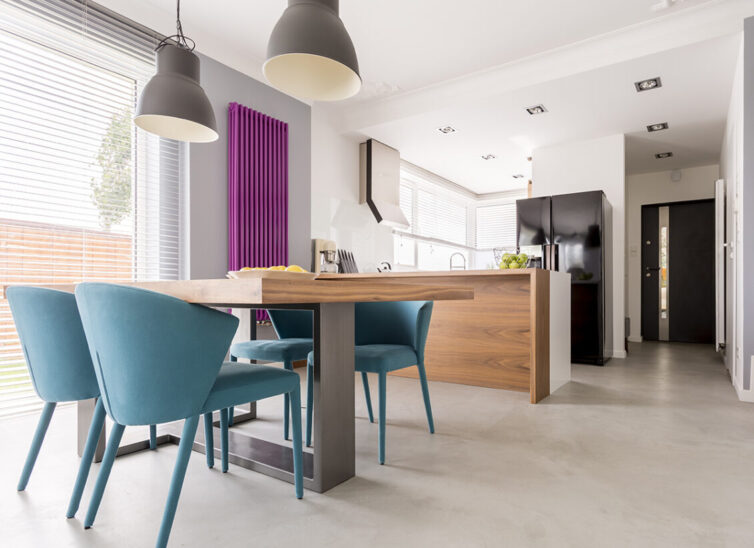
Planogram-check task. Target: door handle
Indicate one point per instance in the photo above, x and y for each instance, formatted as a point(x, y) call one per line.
point(651, 268)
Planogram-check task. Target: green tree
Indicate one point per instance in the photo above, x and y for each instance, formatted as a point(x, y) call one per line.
point(111, 192)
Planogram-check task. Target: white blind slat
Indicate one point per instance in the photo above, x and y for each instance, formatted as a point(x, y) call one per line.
point(84, 195)
point(496, 226)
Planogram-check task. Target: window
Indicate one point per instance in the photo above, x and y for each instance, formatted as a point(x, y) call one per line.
point(438, 219)
point(445, 220)
point(83, 194)
point(496, 226)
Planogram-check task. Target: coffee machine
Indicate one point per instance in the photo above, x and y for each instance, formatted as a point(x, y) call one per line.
point(324, 256)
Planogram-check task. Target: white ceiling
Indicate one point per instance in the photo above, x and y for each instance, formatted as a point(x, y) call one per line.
point(407, 44)
point(693, 100)
point(476, 64)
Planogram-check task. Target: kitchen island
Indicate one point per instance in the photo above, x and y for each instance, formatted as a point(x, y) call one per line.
point(514, 335)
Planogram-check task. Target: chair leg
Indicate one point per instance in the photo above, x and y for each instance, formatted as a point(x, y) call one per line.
point(382, 393)
point(425, 393)
point(298, 464)
point(176, 483)
point(36, 444)
point(153, 436)
point(232, 410)
point(95, 428)
point(367, 395)
point(309, 403)
point(104, 473)
point(287, 405)
point(224, 439)
point(209, 440)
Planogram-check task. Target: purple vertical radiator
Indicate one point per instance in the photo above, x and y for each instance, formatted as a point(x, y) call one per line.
point(257, 190)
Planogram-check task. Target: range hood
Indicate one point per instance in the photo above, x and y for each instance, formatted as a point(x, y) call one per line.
point(380, 180)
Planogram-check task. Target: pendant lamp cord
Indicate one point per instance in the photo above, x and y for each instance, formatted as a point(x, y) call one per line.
point(181, 40)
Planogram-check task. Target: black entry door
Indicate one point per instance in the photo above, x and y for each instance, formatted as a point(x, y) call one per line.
point(678, 269)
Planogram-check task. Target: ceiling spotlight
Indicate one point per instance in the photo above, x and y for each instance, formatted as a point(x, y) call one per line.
point(657, 127)
point(536, 109)
point(518, 176)
point(446, 129)
point(489, 157)
point(646, 85)
point(662, 155)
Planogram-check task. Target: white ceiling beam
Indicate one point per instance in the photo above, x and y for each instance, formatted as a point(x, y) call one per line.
point(705, 22)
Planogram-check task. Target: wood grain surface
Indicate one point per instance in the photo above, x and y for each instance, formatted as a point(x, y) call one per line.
point(257, 291)
point(492, 340)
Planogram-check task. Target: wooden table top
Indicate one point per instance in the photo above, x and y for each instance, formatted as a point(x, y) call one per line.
point(252, 291)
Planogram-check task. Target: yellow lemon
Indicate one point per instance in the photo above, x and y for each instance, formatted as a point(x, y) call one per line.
point(247, 268)
point(295, 268)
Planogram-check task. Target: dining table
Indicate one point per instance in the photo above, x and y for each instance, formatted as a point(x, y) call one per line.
point(332, 458)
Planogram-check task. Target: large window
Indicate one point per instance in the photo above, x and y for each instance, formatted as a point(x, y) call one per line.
point(447, 222)
point(438, 220)
point(83, 194)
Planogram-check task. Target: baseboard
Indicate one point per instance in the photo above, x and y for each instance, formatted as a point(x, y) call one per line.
point(620, 354)
point(744, 395)
point(636, 339)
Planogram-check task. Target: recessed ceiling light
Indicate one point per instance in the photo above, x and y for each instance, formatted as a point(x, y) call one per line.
point(662, 155)
point(518, 176)
point(657, 127)
point(488, 157)
point(446, 129)
point(536, 109)
point(650, 83)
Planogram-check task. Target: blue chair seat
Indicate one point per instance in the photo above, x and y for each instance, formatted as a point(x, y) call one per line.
point(281, 350)
point(373, 358)
point(239, 383)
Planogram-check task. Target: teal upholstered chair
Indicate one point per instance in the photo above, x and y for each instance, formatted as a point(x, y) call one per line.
point(294, 331)
point(54, 345)
point(389, 336)
point(159, 359)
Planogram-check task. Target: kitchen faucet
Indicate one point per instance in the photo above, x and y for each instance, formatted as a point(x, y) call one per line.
point(463, 266)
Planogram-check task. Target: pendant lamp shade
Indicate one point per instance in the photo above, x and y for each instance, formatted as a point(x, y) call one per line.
point(173, 104)
point(310, 54)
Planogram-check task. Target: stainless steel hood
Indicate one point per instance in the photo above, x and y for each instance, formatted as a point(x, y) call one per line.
point(380, 180)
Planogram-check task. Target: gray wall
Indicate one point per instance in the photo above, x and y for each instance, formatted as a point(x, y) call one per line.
point(208, 171)
point(746, 207)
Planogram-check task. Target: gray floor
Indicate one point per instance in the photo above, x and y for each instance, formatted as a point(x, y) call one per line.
point(654, 450)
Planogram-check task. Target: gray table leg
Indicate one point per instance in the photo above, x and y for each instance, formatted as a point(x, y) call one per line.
point(247, 331)
point(334, 424)
point(84, 413)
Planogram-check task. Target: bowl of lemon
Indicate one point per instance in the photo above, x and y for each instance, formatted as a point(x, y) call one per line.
point(280, 271)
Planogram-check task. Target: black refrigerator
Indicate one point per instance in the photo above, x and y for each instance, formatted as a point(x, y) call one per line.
point(574, 233)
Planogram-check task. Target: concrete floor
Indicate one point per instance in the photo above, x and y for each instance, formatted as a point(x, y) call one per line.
point(654, 450)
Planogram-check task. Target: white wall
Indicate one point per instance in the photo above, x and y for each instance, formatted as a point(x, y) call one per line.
point(336, 213)
point(697, 183)
point(597, 164)
point(731, 170)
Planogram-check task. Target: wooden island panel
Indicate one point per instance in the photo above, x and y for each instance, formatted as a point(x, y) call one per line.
point(499, 339)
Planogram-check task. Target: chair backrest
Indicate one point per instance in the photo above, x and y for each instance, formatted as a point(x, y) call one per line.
point(156, 357)
point(292, 324)
point(54, 343)
point(405, 322)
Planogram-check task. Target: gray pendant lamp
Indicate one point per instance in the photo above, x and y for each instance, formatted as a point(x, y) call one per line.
point(310, 54)
point(173, 104)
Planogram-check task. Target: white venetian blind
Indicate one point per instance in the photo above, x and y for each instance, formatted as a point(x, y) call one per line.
point(496, 226)
point(83, 194)
point(438, 216)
